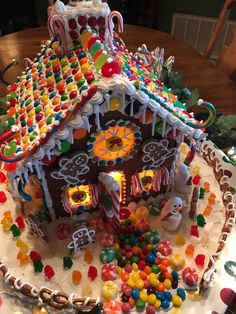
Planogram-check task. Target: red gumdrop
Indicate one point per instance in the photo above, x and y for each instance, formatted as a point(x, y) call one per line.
point(48, 271)
point(196, 180)
point(194, 231)
point(124, 213)
point(110, 68)
point(35, 256)
point(199, 260)
point(21, 223)
point(2, 177)
point(92, 272)
point(10, 167)
point(3, 197)
point(92, 40)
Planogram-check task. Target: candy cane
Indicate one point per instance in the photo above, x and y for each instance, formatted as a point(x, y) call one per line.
point(136, 185)
point(165, 176)
point(157, 180)
point(190, 156)
point(94, 194)
point(115, 195)
point(111, 25)
point(211, 118)
point(50, 11)
point(28, 62)
point(56, 27)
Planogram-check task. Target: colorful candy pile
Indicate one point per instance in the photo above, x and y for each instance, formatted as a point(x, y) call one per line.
point(148, 283)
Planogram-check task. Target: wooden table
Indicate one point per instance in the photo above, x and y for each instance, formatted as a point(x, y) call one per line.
point(212, 84)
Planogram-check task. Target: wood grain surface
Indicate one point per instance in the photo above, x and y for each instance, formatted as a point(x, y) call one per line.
point(212, 84)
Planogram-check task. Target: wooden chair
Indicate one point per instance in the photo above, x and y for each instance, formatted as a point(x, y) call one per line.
point(227, 57)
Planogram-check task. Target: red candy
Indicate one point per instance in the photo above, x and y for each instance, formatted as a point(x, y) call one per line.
point(109, 272)
point(82, 20)
point(190, 276)
point(165, 248)
point(196, 180)
point(107, 240)
point(124, 213)
point(92, 272)
point(110, 68)
point(150, 309)
point(48, 272)
point(92, 40)
point(199, 260)
point(194, 231)
point(21, 223)
point(35, 256)
point(126, 307)
point(2, 177)
point(63, 231)
point(3, 197)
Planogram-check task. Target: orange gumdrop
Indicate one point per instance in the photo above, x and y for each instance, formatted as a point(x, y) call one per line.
point(124, 277)
point(88, 256)
point(76, 277)
point(207, 211)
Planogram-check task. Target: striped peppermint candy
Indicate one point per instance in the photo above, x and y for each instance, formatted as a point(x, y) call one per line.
point(190, 276)
point(165, 248)
point(109, 272)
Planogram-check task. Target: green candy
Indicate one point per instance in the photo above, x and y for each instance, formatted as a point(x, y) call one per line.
point(101, 60)
point(154, 209)
point(152, 237)
point(134, 259)
point(107, 255)
point(65, 146)
point(159, 127)
point(67, 262)
point(38, 266)
point(140, 305)
point(155, 268)
point(64, 97)
point(80, 83)
point(201, 221)
point(74, 65)
point(15, 230)
point(10, 121)
point(94, 48)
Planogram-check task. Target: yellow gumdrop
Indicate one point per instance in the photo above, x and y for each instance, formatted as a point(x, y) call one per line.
point(115, 103)
point(31, 113)
point(44, 97)
point(25, 139)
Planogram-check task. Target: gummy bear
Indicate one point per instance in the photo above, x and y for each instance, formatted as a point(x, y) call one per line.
point(88, 256)
point(196, 180)
point(38, 266)
point(179, 239)
point(92, 272)
point(199, 260)
point(67, 262)
point(207, 211)
point(201, 193)
point(20, 222)
point(5, 225)
point(15, 230)
point(211, 199)
point(76, 277)
point(35, 256)
point(206, 186)
point(48, 272)
point(3, 197)
point(22, 245)
point(194, 231)
point(2, 177)
point(196, 170)
point(23, 258)
point(189, 251)
point(201, 220)
point(7, 215)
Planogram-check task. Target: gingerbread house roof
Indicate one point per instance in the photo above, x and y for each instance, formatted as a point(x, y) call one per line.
point(59, 92)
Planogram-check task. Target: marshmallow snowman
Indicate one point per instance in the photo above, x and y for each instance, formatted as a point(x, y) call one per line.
point(171, 213)
point(182, 179)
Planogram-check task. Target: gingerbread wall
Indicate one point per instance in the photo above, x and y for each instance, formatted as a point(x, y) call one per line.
point(129, 167)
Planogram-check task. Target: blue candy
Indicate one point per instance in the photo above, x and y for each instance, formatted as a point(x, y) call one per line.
point(150, 258)
point(160, 296)
point(175, 275)
point(181, 293)
point(135, 294)
point(168, 295)
point(165, 304)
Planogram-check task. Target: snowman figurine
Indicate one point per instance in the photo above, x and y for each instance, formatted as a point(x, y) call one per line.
point(171, 213)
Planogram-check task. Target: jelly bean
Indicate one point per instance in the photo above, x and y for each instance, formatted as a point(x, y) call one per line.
point(124, 277)
point(140, 305)
point(199, 260)
point(135, 294)
point(157, 305)
point(143, 296)
point(92, 272)
point(139, 284)
point(165, 304)
point(151, 299)
point(76, 277)
point(126, 307)
point(150, 258)
point(155, 268)
point(181, 293)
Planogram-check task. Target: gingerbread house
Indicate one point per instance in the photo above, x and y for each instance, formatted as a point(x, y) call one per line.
point(90, 124)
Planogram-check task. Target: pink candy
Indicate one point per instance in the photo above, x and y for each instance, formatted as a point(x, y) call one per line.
point(109, 272)
point(107, 240)
point(165, 248)
point(190, 276)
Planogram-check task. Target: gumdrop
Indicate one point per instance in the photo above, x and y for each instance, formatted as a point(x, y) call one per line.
point(201, 220)
point(88, 256)
point(38, 266)
point(23, 258)
point(196, 180)
point(22, 245)
point(35, 256)
point(21, 223)
point(67, 262)
point(15, 230)
point(92, 272)
point(3, 197)
point(189, 251)
point(211, 199)
point(179, 239)
point(7, 215)
point(48, 272)
point(87, 290)
point(194, 231)
point(2, 177)
point(199, 260)
point(76, 277)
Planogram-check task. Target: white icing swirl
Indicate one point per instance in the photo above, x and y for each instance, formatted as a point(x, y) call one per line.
point(59, 7)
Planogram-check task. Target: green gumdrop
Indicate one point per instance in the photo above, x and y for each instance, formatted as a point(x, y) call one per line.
point(140, 305)
point(94, 48)
point(101, 60)
point(38, 266)
point(158, 127)
point(13, 146)
point(65, 146)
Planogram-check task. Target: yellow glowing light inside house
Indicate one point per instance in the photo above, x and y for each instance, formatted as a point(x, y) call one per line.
point(80, 195)
point(146, 177)
point(119, 177)
point(114, 143)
